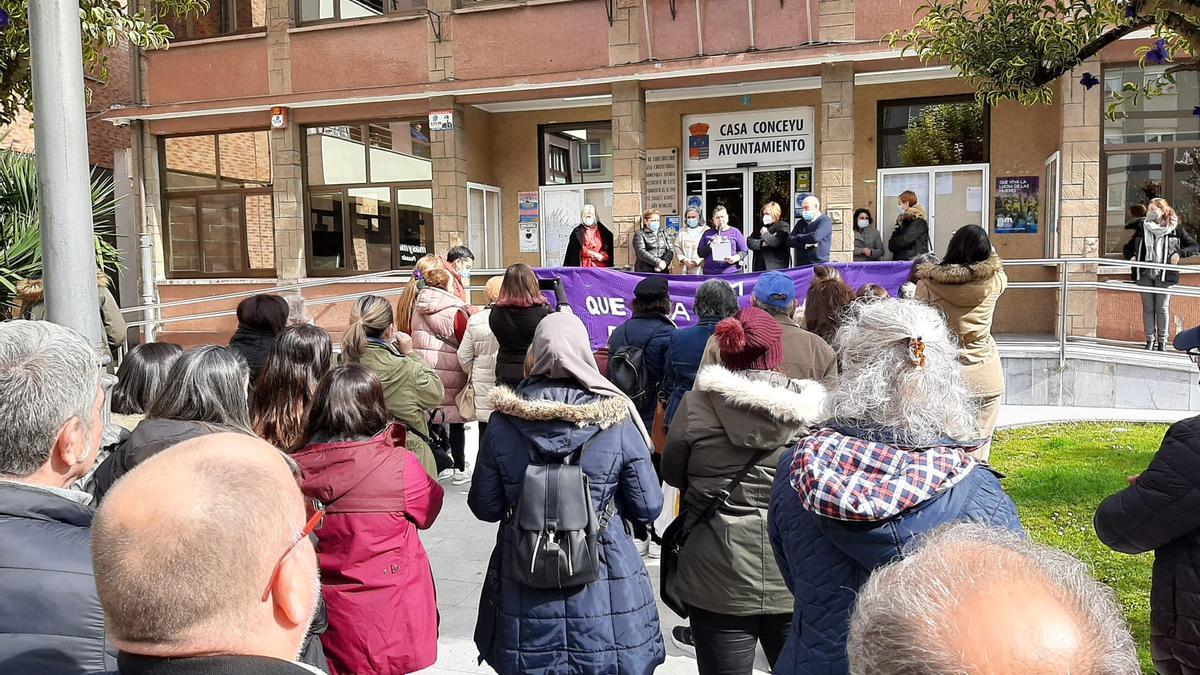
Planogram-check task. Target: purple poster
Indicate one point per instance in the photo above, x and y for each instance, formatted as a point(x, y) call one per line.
point(602, 297)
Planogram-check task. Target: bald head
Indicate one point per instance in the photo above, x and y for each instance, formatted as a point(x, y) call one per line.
point(981, 600)
point(185, 544)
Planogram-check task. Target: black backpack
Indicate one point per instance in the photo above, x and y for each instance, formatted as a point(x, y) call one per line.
point(627, 371)
point(552, 535)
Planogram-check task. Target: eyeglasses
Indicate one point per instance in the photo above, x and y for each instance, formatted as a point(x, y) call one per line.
point(316, 511)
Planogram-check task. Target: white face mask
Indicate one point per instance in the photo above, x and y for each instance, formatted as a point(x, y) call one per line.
point(589, 220)
point(1153, 215)
point(767, 219)
point(901, 209)
point(863, 223)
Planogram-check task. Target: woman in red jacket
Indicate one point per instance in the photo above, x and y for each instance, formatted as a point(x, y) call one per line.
point(375, 574)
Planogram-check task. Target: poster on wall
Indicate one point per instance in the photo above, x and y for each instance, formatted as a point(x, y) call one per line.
point(527, 207)
point(1017, 205)
point(529, 236)
point(778, 137)
point(662, 180)
point(803, 188)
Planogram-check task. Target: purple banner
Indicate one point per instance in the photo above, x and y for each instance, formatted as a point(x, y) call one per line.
point(602, 297)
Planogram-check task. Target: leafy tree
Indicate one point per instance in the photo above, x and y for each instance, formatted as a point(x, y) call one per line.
point(20, 234)
point(1016, 49)
point(951, 133)
point(105, 24)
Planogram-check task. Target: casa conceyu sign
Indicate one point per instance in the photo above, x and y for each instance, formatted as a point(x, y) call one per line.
point(779, 137)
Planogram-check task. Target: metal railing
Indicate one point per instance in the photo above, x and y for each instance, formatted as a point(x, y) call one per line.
point(1063, 284)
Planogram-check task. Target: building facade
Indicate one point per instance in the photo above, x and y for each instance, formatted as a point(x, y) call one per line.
point(284, 140)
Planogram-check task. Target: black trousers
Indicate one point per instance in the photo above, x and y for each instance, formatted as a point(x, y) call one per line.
point(725, 644)
point(458, 446)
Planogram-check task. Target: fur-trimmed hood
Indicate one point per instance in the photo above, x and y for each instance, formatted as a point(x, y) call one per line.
point(761, 408)
point(34, 290)
point(914, 212)
point(557, 418)
point(964, 286)
point(961, 274)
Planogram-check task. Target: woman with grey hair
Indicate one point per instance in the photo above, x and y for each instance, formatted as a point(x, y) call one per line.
point(207, 394)
point(892, 462)
point(715, 300)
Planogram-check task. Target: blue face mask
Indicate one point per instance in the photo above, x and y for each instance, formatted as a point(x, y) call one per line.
point(653, 227)
point(808, 216)
point(693, 222)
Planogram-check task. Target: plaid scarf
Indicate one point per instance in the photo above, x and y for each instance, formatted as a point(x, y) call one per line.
point(851, 479)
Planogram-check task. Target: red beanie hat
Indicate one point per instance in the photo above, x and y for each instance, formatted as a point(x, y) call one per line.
point(750, 340)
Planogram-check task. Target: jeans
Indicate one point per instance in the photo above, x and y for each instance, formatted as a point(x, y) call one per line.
point(458, 446)
point(725, 644)
point(1156, 313)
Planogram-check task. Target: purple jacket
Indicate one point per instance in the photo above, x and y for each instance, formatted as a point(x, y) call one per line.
point(718, 266)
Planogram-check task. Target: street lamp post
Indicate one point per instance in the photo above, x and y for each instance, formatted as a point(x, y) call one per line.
point(64, 181)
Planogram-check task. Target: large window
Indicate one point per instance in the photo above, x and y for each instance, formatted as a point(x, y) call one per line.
point(224, 17)
point(370, 196)
point(576, 153)
point(484, 232)
point(932, 132)
point(218, 209)
point(1152, 149)
point(345, 10)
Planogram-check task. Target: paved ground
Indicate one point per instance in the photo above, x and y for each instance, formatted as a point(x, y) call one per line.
point(459, 546)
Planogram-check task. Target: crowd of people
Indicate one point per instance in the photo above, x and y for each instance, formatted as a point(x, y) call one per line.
point(724, 248)
point(810, 469)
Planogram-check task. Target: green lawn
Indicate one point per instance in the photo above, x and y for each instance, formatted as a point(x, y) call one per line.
point(1058, 475)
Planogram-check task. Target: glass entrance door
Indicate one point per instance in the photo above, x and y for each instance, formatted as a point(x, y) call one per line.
point(951, 196)
point(727, 189)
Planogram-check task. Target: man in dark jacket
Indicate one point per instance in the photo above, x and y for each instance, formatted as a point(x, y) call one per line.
point(204, 563)
point(1160, 512)
point(51, 411)
point(813, 235)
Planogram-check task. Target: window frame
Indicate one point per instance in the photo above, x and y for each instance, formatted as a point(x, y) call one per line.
point(166, 196)
point(572, 170)
point(1166, 148)
point(344, 188)
point(297, 8)
point(190, 22)
point(481, 248)
point(880, 147)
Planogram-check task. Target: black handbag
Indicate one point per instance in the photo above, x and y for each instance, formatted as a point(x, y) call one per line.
point(438, 440)
point(674, 539)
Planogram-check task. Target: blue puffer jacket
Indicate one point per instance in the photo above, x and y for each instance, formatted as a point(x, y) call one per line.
point(50, 617)
point(651, 332)
point(684, 354)
point(825, 561)
point(610, 625)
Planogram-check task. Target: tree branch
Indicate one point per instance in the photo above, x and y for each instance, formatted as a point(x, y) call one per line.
point(1048, 75)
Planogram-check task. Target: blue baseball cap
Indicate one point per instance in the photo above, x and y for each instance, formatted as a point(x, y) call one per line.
point(1188, 340)
point(775, 290)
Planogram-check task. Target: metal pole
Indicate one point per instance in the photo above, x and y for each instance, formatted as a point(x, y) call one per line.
point(64, 182)
point(1062, 315)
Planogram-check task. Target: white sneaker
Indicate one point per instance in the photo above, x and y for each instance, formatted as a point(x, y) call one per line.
point(446, 474)
point(643, 546)
point(682, 637)
point(461, 477)
point(654, 552)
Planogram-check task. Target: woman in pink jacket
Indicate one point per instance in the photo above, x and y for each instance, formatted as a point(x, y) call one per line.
point(375, 574)
point(439, 322)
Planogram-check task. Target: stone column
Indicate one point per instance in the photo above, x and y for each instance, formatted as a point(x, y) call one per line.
point(1079, 220)
point(449, 150)
point(629, 164)
point(279, 46)
point(835, 159)
point(625, 33)
point(837, 20)
point(288, 196)
point(441, 54)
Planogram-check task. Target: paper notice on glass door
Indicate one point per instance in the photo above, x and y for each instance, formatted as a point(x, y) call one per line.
point(722, 248)
point(974, 200)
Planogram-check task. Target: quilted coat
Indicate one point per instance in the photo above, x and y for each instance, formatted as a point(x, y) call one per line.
point(1160, 512)
point(727, 565)
point(651, 332)
point(610, 625)
point(375, 574)
point(825, 561)
point(436, 341)
point(477, 356)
